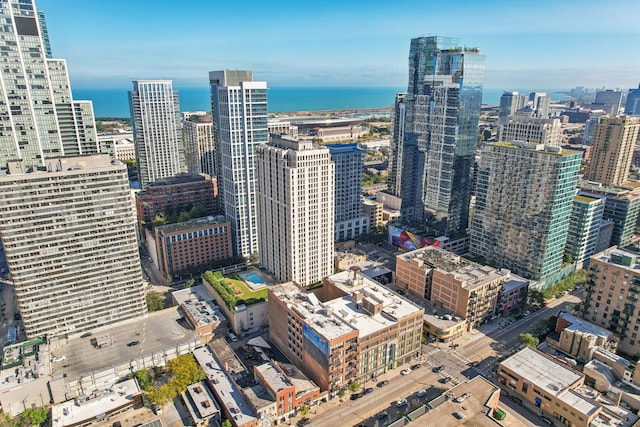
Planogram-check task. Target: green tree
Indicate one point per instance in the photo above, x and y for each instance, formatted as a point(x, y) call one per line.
point(226, 423)
point(535, 299)
point(341, 393)
point(304, 410)
point(189, 283)
point(160, 219)
point(35, 416)
point(143, 379)
point(354, 387)
point(155, 301)
point(528, 340)
point(198, 211)
point(184, 216)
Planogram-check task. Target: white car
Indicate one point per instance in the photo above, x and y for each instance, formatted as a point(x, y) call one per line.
point(400, 403)
point(421, 393)
point(58, 359)
point(405, 371)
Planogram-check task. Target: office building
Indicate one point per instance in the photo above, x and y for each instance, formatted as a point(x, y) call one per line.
point(613, 142)
point(554, 387)
point(463, 288)
point(361, 330)
point(540, 103)
point(611, 296)
point(295, 201)
point(239, 107)
point(177, 194)
point(68, 231)
point(622, 207)
point(524, 199)
point(199, 144)
point(610, 99)
point(119, 145)
point(584, 227)
point(41, 118)
point(192, 246)
point(350, 221)
point(510, 102)
point(155, 116)
point(440, 136)
point(394, 181)
point(632, 107)
point(590, 126)
point(532, 130)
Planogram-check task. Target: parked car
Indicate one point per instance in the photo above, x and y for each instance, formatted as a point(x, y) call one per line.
point(133, 343)
point(459, 415)
point(356, 396)
point(421, 393)
point(402, 402)
point(382, 415)
point(438, 368)
point(304, 422)
point(368, 390)
point(516, 399)
point(546, 420)
point(382, 383)
point(405, 371)
point(416, 366)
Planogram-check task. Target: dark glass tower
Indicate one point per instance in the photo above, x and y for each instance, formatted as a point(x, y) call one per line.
point(441, 125)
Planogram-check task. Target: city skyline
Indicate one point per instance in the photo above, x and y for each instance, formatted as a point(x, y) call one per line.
point(560, 45)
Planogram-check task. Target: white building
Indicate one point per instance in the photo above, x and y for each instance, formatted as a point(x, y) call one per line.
point(296, 210)
point(40, 117)
point(155, 114)
point(69, 236)
point(239, 108)
point(532, 130)
point(199, 144)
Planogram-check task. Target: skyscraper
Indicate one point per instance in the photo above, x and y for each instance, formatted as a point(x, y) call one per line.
point(584, 225)
point(41, 117)
point(612, 150)
point(531, 129)
point(239, 108)
point(349, 165)
point(632, 107)
point(155, 115)
point(540, 103)
point(510, 102)
point(524, 199)
point(199, 144)
point(295, 210)
point(394, 181)
point(443, 105)
point(68, 231)
point(610, 99)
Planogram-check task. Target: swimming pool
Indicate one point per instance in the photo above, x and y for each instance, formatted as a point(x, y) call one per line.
point(255, 278)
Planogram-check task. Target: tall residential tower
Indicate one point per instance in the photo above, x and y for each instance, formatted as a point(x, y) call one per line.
point(442, 109)
point(199, 144)
point(239, 107)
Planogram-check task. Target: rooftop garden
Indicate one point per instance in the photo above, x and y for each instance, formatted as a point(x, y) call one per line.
point(233, 291)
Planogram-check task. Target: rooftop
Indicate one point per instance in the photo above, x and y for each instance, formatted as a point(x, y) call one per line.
point(520, 145)
point(619, 257)
point(579, 325)
point(202, 404)
point(273, 376)
point(193, 224)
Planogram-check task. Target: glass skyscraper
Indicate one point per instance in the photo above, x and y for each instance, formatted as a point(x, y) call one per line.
point(442, 110)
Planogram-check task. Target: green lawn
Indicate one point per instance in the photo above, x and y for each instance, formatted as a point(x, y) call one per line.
point(244, 292)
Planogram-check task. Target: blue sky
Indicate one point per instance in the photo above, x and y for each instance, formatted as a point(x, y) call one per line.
point(534, 44)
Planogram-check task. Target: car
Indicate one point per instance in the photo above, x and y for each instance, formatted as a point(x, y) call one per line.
point(356, 396)
point(461, 398)
point(304, 421)
point(421, 393)
point(438, 368)
point(382, 415)
point(133, 343)
point(232, 337)
point(58, 359)
point(546, 420)
point(382, 383)
point(117, 424)
point(405, 371)
point(416, 366)
point(516, 399)
point(459, 415)
point(368, 390)
point(402, 402)
point(86, 335)
point(526, 313)
point(443, 380)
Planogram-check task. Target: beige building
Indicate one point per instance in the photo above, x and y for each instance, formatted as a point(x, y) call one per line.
point(198, 133)
point(374, 210)
point(462, 287)
point(550, 385)
point(360, 331)
point(611, 296)
point(614, 139)
point(532, 130)
point(579, 338)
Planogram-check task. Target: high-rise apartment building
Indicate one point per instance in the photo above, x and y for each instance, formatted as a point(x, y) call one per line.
point(524, 199)
point(614, 139)
point(510, 102)
point(68, 231)
point(632, 107)
point(533, 130)
point(584, 227)
point(295, 201)
point(610, 99)
point(199, 144)
point(394, 181)
point(590, 126)
point(540, 103)
point(41, 118)
point(442, 109)
point(155, 115)
point(239, 107)
point(349, 165)
point(611, 296)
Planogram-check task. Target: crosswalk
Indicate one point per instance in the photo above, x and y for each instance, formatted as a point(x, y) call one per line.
point(483, 369)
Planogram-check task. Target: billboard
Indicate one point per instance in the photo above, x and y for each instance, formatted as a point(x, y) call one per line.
point(316, 340)
point(406, 241)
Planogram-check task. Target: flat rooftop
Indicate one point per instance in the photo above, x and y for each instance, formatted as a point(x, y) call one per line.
point(542, 371)
point(224, 388)
point(193, 224)
point(580, 325)
point(273, 376)
point(199, 305)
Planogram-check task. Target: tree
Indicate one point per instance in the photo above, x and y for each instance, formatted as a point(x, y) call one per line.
point(528, 340)
point(197, 211)
point(226, 423)
point(155, 301)
point(354, 387)
point(535, 299)
point(184, 216)
point(35, 416)
point(304, 410)
point(189, 283)
point(143, 379)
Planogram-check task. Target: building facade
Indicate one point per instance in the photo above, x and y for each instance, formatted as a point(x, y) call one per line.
point(442, 109)
point(349, 219)
point(523, 206)
point(397, 137)
point(611, 99)
point(584, 227)
point(532, 130)
point(199, 144)
point(510, 102)
point(295, 201)
point(613, 142)
point(239, 107)
point(611, 296)
point(155, 116)
point(193, 244)
point(632, 107)
point(69, 236)
point(41, 118)
point(176, 194)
